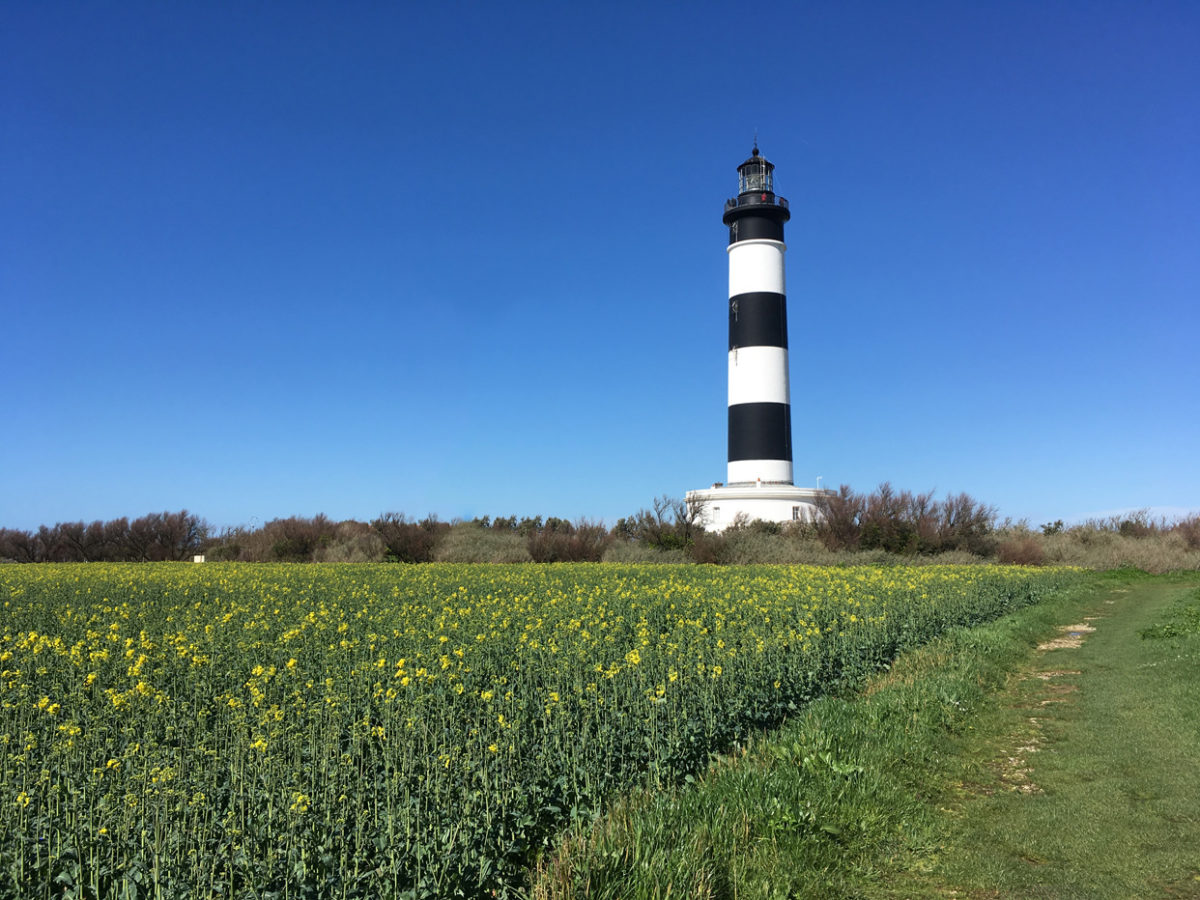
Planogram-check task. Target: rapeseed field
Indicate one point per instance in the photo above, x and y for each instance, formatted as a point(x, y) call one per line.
point(354, 731)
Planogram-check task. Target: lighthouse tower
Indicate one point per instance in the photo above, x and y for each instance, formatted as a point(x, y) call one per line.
point(759, 476)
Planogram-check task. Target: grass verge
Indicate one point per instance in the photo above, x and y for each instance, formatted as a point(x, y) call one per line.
point(906, 788)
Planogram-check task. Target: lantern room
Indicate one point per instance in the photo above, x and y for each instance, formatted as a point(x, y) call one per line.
point(755, 175)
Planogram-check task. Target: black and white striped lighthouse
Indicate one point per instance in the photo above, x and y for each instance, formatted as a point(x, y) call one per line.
point(759, 475)
point(760, 420)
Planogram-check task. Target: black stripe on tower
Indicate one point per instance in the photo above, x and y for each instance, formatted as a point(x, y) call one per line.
point(758, 320)
point(760, 431)
point(756, 226)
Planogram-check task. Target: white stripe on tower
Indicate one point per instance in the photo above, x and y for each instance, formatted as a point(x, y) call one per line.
point(758, 375)
point(760, 428)
point(756, 265)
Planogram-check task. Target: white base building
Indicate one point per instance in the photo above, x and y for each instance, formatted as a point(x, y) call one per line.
point(722, 505)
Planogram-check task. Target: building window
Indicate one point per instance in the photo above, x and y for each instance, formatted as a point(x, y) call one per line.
point(795, 513)
point(716, 514)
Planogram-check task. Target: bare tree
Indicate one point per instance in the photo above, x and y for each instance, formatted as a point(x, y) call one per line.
point(18, 545)
point(407, 541)
point(180, 535)
point(840, 523)
point(669, 524)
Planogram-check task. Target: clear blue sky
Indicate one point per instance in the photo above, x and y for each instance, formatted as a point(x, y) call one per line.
point(264, 259)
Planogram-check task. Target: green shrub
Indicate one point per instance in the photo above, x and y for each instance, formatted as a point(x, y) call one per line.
point(353, 542)
point(469, 543)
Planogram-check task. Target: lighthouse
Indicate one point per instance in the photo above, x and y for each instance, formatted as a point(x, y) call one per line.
point(758, 483)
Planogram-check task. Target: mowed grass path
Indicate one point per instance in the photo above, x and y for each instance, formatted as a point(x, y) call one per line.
point(1090, 763)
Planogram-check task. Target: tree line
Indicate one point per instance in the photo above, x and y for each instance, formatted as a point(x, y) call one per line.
point(155, 537)
point(852, 526)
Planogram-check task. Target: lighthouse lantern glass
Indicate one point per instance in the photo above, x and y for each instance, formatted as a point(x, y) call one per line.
point(755, 177)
